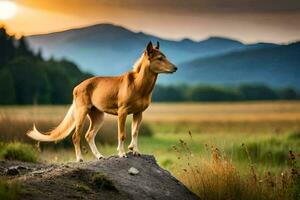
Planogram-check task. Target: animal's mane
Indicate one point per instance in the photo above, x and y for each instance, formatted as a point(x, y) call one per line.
point(138, 64)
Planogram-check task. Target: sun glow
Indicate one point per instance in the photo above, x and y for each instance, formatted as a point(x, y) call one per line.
point(8, 9)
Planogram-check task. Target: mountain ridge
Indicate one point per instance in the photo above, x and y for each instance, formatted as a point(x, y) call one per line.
point(110, 40)
point(109, 49)
point(274, 66)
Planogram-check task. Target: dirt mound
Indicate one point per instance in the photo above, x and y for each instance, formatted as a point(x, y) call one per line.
point(135, 177)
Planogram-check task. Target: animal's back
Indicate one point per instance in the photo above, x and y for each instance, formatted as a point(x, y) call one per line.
point(102, 92)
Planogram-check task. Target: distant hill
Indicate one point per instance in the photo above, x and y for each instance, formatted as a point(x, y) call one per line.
point(277, 66)
point(107, 49)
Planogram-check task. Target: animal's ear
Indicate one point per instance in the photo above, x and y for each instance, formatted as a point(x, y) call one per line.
point(149, 48)
point(157, 45)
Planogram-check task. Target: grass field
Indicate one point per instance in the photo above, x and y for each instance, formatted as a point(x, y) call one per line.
point(248, 135)
point(224, 125)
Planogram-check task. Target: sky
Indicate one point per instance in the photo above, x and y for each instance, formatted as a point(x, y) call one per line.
point(250, 21)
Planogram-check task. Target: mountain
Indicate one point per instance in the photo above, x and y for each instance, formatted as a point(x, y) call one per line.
point(108, 49)
point(277, 66)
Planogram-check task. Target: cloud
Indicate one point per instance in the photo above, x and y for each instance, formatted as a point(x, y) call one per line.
point(181, 6)
point(247, 20)
point(210, 5)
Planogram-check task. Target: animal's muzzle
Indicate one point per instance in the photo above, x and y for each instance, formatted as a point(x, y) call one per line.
point(174, 69)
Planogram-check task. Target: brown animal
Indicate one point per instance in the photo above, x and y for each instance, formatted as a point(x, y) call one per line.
point(122, 95)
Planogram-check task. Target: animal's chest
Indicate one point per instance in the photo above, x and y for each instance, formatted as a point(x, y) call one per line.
point(138, 105)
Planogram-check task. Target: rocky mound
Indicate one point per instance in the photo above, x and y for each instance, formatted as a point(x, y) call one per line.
point(135, 177)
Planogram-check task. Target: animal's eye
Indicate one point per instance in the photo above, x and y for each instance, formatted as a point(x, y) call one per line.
point(160, 58)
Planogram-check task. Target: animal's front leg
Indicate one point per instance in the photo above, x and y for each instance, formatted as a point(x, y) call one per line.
point(136, 121)
point(121, 132)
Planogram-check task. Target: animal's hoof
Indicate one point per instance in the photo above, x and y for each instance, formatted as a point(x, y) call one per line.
point(80, 160)
point(136, 153)
point(123, 155)
point(100, 157)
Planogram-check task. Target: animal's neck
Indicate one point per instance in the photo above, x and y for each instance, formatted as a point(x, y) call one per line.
point(145, 80)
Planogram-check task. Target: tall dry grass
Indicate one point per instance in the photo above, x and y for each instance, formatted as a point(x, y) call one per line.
point(14, 130)
point(238, 117)
point(219, 178)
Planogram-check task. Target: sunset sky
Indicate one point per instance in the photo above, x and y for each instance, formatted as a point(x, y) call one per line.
point(247, 20)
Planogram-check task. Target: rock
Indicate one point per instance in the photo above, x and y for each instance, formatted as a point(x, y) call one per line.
point(110, 178)
point(133, 171)
point(12, 171)
point(42, 171)
point(22, 168)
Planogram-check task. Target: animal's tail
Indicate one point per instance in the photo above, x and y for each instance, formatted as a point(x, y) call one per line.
point(60, 132)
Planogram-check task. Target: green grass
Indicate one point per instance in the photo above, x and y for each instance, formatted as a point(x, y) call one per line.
point(266, 151)
point(9, 190)
point(271, 151)
point(18, 151)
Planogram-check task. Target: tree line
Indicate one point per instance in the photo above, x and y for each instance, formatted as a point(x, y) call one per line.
point(200, 92)
point(27, 78)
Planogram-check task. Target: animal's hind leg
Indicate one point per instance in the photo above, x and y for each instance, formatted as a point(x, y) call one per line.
point(96, 118)
point(80, 114)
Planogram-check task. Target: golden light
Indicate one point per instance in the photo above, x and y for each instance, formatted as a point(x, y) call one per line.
point(8, 9)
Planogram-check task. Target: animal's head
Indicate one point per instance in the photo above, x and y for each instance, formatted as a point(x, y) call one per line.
point(158, 62)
